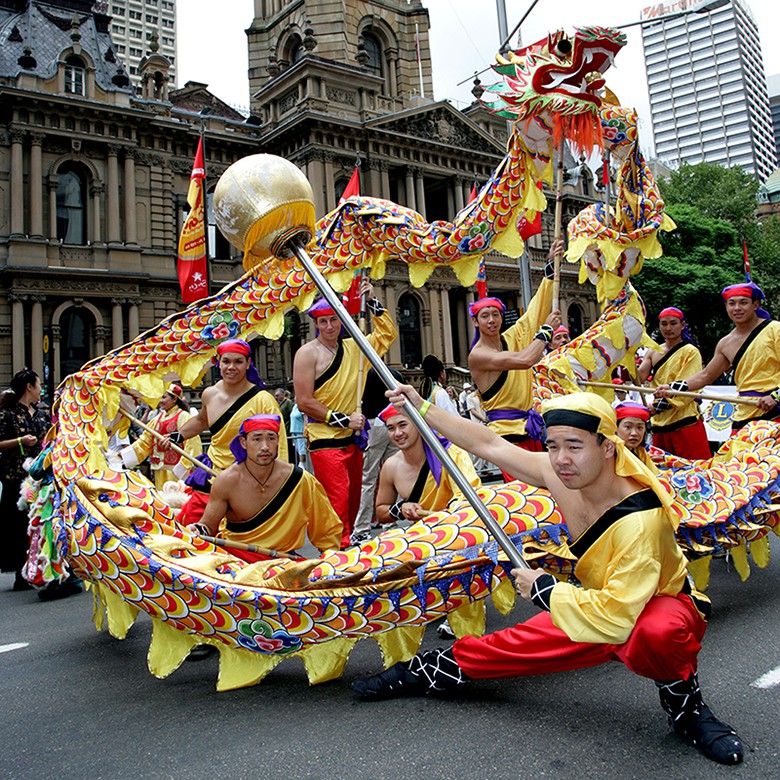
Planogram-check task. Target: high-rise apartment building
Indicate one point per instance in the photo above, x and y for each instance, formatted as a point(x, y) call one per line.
point(132, 25)
point(773, 85)
point(708, 91)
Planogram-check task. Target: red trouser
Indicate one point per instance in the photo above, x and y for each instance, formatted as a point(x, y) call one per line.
point(340, 472)
point(688, 442)
point(193, 510)
point(530, 445)
point(664, 645)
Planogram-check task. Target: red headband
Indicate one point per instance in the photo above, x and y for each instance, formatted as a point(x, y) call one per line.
point(485, 303)
point(234, 345)
point(737, 290)
point(561, 329)
point(261, 422)
point(388, 412)
point(672, 311)
point(629, 409)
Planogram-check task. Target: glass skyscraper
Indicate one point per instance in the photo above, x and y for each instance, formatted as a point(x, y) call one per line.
point(708, 91)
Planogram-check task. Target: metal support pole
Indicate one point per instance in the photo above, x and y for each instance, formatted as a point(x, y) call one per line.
point(409, 409)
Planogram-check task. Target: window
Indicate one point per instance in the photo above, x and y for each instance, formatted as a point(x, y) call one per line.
point(375, 62)
point(75, 75)
point(117, 10)
point(409, 330)
point(71, 206)
point(76, 339)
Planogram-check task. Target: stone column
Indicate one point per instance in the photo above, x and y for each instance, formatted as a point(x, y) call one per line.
point(117, 323)
point(451, 210)
point(113, 235)
point(427, 331)
point(52, 185)
point(330, 183)
point(446, 326)
point(465, 190)
point(317, 180)
point(465, 331)
point(394, 353)
point(434, 301)
point(374, 182)
point(131, 233)
point(132, 318)
point(392, 72)
point(419, 184)
point(17, 332)
point(36, 186)
point(458, 191)
point(411, 202)
point(100, 340)
point(96, 224)
point(36, 334)
point(55, 350)
point(17, 184)
point(384, 174)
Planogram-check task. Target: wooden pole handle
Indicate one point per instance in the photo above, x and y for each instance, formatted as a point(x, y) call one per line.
point(684, 393)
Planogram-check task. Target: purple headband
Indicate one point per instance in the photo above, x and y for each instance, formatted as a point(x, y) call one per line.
point(242, 348)
point(257, 422)
point(748, 290)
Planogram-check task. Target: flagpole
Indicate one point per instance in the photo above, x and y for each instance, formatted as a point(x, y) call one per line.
point(204, 112)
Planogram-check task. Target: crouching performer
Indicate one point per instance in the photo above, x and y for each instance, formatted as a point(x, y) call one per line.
point(635, 604)
point(265, 500)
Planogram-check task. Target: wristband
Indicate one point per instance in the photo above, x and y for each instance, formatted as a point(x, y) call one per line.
point(541, 591)
point(549, 269)
point(175, 438)
point(375, 307)
point(337, 419)
point(680, 386)
point(545, 333)
point(661, 405)
point(19, 442)
point(775, 396)
point(395, 511)
point(424, 408)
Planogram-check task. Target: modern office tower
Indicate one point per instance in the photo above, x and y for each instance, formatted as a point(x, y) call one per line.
point(132, 25)
point(773, 85)
point(708, 92)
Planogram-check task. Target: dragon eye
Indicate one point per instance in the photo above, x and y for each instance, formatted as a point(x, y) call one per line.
point(562, 47)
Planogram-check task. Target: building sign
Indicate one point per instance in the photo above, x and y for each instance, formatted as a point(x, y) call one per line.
point(659, 10)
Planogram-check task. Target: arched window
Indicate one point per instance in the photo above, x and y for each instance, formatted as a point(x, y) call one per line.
point(71, 205)
point(574, 316)
point(75, 75)
point(76, 340)
point(293, 51)
point(375, 63)
point(409, 330)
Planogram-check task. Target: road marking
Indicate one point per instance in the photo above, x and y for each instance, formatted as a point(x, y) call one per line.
point(768, 680)
point(15, 646)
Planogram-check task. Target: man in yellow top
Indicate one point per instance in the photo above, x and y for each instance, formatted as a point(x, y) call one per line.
point(677, 424)
point(166, 465)
point(500, 363)
point(634, 606)
point(267, 501)
point(412, 483)
point(751, 350)
point(239, 394)
point(327, 390)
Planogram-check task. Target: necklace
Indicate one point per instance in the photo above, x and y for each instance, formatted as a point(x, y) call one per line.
point(265, 481)
point(330, 349)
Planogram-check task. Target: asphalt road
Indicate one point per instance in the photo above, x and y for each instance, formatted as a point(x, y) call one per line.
point(75, 703)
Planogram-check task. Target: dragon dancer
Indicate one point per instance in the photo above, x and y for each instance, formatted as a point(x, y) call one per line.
point(635, 604)
point(267, 501)
point(326, 374)
point(412, 483)
point(239, 394)
point(751, 350)
point(678, 427)
point(500, 363)
point(166, 465)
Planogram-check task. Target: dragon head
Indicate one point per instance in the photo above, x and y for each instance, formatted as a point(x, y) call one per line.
point(558, 80)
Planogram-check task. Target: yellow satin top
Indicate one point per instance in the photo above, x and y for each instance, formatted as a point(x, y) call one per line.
point(299, 508)
point(337, 386)
point(622, 567)
point(436, 497)
point(512, 389)
point(758, 368)
point(683, 360)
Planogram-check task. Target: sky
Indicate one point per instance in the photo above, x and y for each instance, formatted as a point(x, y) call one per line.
point(464, 37)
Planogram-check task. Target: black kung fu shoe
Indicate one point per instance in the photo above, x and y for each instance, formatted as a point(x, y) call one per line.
point(693, 721)
point(393, 682)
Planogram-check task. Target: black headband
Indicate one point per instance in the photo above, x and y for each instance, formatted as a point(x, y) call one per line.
point(586, 422)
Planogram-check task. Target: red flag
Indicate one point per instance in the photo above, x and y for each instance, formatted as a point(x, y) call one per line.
point(481, 283)
point(353, 186)
point(473, 194)
point(527, 228)
point(745, 260)
point(192, 261)
point(351, 298)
